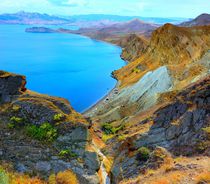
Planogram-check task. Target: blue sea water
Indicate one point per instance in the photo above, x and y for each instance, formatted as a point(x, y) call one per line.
point(64, 65)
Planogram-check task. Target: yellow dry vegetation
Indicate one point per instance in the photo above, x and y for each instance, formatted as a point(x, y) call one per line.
point(9, 177)
point(203, 178)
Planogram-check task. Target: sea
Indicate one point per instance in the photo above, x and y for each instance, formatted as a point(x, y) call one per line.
point(64, 65)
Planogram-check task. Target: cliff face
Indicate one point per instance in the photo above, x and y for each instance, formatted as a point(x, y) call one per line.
point(40, 135)
point(133, 47)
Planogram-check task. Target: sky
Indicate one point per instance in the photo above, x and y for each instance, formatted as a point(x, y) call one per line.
point(145, 8)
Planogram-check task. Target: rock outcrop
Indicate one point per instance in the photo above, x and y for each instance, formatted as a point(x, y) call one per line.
point(135, 98)
point(11, 85)
point(40, 135)
point(133, 47)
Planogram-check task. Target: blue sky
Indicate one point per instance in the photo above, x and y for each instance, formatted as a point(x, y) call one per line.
point(147, 8)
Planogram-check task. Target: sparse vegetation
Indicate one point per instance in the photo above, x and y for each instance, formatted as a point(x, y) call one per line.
point(16, 108)
point(207, 131)
point(106, 137)
point(143, 154)
point(15, 122)
point(121, 138)
point(66, 177)
point(67, 154)
point(135, 70)
point(202, 146)
point(8, 177)
point(109, 129)
point(58, 117)
point(45, 132)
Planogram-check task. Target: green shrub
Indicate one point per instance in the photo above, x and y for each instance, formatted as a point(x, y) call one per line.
point(15, 122)
point(136, 70)
point(121, 138)
point(202, 146)
point(45, 132)
point(58, 117)
point(109, 129)
point(143, 153)
point(67, 154)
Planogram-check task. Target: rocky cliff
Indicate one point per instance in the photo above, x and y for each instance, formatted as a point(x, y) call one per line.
point(179, 127)
point(41, 135)
point(133, 47)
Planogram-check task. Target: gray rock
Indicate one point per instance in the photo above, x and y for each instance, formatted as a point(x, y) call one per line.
point(21, 168)
point(92, 162)
point(43, 166)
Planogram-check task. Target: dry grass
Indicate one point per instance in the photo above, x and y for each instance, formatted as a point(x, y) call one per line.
point(66, 177)
point(9, 177)
point(203, 178)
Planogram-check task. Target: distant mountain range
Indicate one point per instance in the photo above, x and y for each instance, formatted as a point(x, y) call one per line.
point(79, 20)
point(31, 18)
point(201, 20)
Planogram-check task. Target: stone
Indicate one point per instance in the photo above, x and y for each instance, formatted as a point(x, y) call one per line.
point(92, 161)
point(21, 168)
point(43, 166)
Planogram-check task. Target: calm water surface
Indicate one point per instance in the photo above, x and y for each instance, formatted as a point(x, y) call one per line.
point(65, 65)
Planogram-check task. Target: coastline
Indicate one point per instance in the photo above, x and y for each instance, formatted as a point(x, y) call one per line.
point(100, 101)
point(108, 95)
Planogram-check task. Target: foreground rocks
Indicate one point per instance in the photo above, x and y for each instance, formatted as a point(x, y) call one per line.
point(65, 149)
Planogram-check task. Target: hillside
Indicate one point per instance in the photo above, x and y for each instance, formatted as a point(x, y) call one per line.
point(42, 135)
point(201, 20)
point(174, 58)
point(113, 33)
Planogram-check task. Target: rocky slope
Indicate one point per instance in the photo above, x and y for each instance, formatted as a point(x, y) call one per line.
point(174, 133)
point(174, 58)
point(201, 20)
point(133, 47)
point(41, 135)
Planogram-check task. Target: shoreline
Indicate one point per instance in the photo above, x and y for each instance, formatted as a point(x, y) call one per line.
point(110, 93)
point(101, 101)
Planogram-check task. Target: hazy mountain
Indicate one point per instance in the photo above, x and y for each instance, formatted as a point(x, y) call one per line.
point(31, 18)
point(201, 20)
point(79, 20)
point(118, 18)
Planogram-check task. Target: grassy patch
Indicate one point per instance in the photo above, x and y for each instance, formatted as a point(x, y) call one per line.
point(67, 154)
point(45, 132)
point(106, 137)
point(58, 117)
point(15, 122)
point(109, 129)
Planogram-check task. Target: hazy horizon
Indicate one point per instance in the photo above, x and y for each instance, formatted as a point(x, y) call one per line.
point(143, 8)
